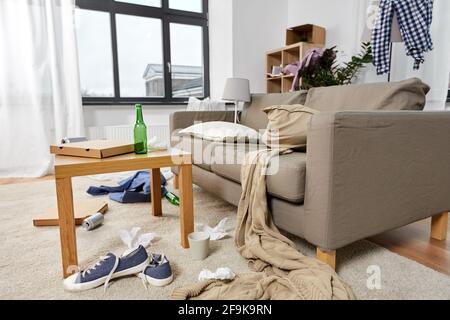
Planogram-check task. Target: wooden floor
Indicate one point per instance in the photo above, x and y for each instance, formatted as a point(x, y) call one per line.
point(23, 180)
point(412, 241)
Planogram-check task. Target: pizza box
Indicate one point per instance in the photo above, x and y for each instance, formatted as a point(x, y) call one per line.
point(93, 148)
point(82, 210)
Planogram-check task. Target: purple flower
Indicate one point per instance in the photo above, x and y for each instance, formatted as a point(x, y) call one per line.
point(312, 58)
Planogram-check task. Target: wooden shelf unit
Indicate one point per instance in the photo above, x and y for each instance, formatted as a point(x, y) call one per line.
point(283, 57)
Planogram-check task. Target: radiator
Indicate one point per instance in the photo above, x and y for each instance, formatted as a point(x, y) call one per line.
point(126, 133)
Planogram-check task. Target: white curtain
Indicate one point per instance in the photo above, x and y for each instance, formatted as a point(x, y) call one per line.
point(40, 100)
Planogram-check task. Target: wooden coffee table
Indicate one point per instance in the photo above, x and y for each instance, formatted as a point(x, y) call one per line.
point(67, 167)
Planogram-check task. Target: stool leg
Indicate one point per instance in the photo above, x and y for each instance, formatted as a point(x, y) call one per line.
point(67, 226)
point(186, 204)
point(156, 192)
point(176, 182)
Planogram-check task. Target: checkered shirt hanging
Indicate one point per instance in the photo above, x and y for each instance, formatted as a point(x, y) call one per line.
point(414, 19)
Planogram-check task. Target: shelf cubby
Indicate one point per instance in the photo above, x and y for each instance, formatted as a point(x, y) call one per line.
point(283, 57)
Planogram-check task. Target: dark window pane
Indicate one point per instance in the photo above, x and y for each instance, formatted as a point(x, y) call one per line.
point(187, 60)
point(140, 55)
point(187, 5)
point(95, 53)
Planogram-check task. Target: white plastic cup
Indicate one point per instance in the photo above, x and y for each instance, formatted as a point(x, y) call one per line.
point(199, 245)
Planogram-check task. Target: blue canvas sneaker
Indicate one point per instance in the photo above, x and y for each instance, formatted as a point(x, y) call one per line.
point(107, 268)
point(158, 273)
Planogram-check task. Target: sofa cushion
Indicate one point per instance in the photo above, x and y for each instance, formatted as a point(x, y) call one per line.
point(288, 126)
point(404, 95)
point(233, 153)
point(201, 150)
point(287, 184)
point(253, 115)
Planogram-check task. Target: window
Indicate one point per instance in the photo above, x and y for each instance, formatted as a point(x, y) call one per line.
point(139, 43)
point(187, 60)
point(94, 35)
point(146, 51)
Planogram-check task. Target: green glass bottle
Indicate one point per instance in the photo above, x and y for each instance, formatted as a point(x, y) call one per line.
point(140, 132)
point(172, 198)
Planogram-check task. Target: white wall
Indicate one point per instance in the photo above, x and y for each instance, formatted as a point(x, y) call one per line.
point(220, 44)
point(99, 116)
point(259, 26)
point(344, 21)
point(241, 32)
point(339, 18)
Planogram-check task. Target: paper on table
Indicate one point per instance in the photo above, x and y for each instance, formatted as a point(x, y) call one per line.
point(220, 274)
point(216, 233)
point(155, 145)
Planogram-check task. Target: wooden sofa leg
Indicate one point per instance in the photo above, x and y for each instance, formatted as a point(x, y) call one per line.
point(328, 257)
point(439, 226)
point(176, 182)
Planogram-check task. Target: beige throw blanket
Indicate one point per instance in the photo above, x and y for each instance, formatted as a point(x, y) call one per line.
point(282, 271)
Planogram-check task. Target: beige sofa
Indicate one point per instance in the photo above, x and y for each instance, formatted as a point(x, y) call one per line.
point(374, 162)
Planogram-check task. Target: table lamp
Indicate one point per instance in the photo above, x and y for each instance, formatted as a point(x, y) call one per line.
point(237, 90)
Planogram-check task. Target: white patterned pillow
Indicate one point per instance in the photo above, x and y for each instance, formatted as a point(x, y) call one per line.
point(221, 131)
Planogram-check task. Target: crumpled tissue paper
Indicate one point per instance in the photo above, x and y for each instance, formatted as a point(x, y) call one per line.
point(133, 240)
point(216, 233)
point(220, 274)
point(155, 145)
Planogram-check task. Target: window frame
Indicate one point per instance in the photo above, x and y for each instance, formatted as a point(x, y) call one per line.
point(167, 16)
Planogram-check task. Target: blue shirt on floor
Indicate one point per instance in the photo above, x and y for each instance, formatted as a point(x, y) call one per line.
point(131, 190)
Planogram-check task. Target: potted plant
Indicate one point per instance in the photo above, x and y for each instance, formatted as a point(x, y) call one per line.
point(319, 68)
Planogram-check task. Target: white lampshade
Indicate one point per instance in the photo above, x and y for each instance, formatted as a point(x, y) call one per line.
point(237, 89)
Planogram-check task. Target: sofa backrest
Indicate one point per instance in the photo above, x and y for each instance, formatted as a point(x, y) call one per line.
point(253, 115)
point(404, 95)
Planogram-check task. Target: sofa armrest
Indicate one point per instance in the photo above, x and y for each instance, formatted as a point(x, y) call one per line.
point(183, 119)
point(370, 172)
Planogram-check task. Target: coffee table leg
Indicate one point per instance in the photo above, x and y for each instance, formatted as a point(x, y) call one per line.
point(156, 192)
point(186, 204)
point(67, 226)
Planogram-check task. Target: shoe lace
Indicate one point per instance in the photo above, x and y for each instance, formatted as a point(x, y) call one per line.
point(94, 266)
point(153, 262)
point(143, 280)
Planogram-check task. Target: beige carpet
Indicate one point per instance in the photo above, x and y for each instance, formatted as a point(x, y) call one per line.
point(30, 265)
